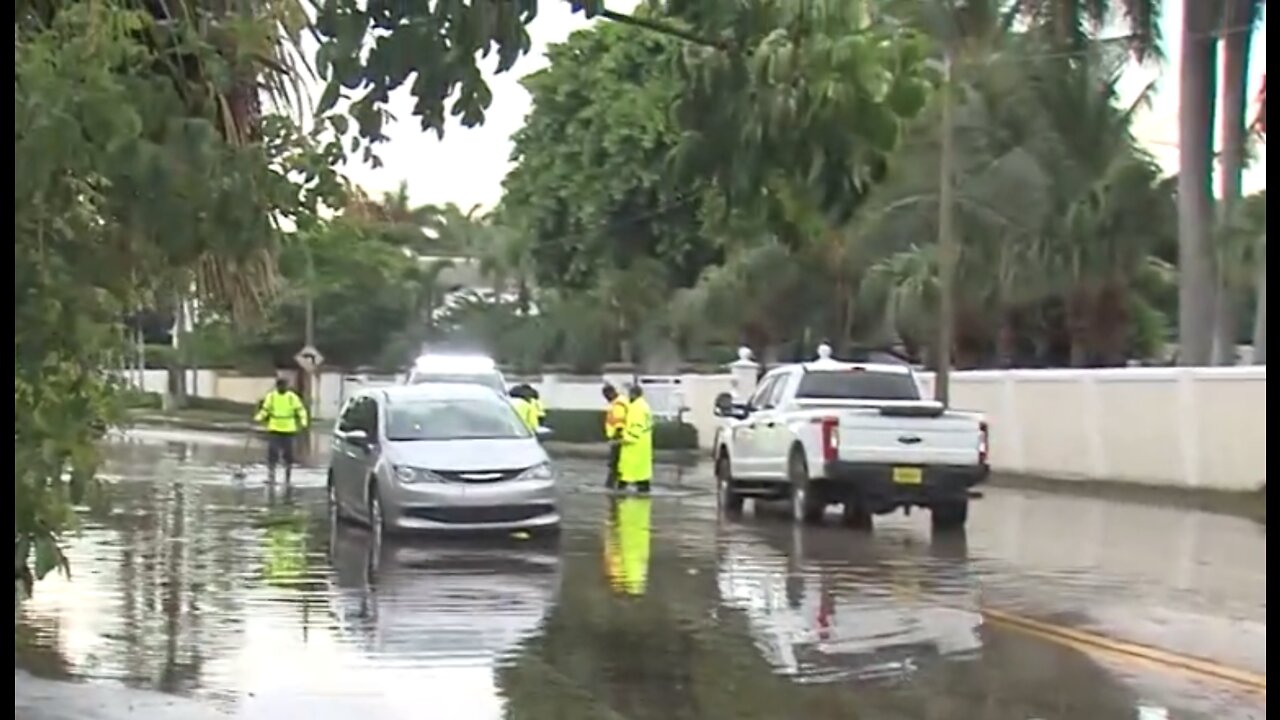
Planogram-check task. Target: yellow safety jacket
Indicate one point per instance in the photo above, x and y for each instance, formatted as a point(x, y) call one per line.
point(635, 464)
point(527, 411)
point(538, 410)
point(283, 412)
point(615, 418)
point(627, 545)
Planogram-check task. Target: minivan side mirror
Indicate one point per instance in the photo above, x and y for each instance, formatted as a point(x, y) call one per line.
point(543, 432)
point(356, 437)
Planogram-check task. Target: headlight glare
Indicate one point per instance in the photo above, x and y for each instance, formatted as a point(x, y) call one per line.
point(412, 475)
point(541, 471)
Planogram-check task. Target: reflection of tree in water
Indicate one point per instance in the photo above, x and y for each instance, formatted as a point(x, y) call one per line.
point(161, 625)
point(175, 562)
point(179, 555)
point(40, 647)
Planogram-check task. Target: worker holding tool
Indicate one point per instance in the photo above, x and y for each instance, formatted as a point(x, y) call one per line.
point(285, 416)
point(615, 418)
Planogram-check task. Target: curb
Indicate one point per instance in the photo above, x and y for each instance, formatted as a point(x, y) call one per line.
point(1249, 504)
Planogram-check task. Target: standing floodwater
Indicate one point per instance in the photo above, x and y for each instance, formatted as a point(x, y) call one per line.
point(239, 594)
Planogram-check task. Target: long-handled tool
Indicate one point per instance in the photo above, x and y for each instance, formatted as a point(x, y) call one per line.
point(239, 473)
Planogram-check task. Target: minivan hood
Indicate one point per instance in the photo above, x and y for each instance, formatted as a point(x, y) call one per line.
point(465, 455)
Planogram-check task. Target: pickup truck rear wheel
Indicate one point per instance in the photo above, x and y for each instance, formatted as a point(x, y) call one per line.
point(950, 515)
point(806, 505)
point(856, 516)
point(730, 499)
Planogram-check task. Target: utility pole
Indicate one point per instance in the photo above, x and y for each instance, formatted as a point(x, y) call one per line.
point(947, 250)
point(309, 332)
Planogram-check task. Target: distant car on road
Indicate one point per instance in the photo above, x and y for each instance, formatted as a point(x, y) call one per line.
point(439, 456)
point(466, 369)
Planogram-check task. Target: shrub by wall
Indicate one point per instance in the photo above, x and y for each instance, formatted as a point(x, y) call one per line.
point(587, 426)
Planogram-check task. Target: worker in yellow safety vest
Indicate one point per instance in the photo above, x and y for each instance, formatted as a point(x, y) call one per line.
point(535, 399)
point(525, 407)
point(626, 544)
point(635, 462)
point(615, 419)
point(285, 416)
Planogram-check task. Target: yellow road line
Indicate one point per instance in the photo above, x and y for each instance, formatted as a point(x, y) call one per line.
point(1088, 641)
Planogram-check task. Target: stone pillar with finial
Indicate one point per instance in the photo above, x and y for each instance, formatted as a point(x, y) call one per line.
point(745, 371)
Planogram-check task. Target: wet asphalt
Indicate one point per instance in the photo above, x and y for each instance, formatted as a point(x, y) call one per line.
point(240, 594)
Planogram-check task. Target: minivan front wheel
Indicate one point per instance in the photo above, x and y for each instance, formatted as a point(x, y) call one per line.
point(377, 519)
point(335, 509)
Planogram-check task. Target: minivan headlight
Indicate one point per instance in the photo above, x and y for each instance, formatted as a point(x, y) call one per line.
point(541, 471)
point(412, 475)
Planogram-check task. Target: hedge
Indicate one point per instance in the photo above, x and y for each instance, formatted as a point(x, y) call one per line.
point(587, 426)
point(135, 400)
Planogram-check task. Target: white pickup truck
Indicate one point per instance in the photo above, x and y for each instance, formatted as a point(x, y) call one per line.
point(854, 434)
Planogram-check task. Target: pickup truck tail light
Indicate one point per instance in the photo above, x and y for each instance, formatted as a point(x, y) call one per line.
point(982, 443)
point(830, 439)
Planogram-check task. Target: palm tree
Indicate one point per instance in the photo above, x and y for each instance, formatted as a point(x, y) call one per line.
point(1260, 303)
point(1238, 22)
point(1196, 277)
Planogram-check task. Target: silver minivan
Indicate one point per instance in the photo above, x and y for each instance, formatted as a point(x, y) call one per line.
point(439, 456)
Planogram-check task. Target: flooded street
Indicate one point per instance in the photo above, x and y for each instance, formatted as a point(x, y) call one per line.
point(241, 595)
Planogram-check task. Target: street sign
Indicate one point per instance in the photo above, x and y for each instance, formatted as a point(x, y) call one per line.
point(309, 359)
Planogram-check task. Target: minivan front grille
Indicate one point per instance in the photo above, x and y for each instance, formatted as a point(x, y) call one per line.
point(479, 515)
point(478, 476)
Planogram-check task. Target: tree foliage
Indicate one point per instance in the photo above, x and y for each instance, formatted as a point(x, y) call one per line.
point(814, 95)
point(592, 186)
point(366, 289)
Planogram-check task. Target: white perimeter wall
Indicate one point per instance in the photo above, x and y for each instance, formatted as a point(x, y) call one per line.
point(1179, 427)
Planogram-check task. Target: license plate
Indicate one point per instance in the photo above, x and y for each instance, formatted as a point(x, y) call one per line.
point(908, 476)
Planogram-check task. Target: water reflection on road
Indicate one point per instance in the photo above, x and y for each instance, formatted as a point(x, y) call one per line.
point(240, 593)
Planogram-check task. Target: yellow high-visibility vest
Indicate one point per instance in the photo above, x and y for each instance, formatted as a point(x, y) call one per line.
point(527, 412)
point(283, 412)
point(635, 463)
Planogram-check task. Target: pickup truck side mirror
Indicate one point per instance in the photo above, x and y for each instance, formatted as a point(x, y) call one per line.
point(726, 407)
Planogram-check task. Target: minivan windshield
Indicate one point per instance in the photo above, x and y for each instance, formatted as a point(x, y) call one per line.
point(453, 419)
point(492, 381)
point(856, 384)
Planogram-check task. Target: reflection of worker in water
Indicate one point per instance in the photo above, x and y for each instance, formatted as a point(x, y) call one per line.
point(285, 561)
point(626, 544)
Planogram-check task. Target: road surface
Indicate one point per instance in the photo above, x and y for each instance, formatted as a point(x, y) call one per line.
point(238, 597)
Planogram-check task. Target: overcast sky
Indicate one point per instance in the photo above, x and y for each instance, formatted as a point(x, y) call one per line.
point(466, 167)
